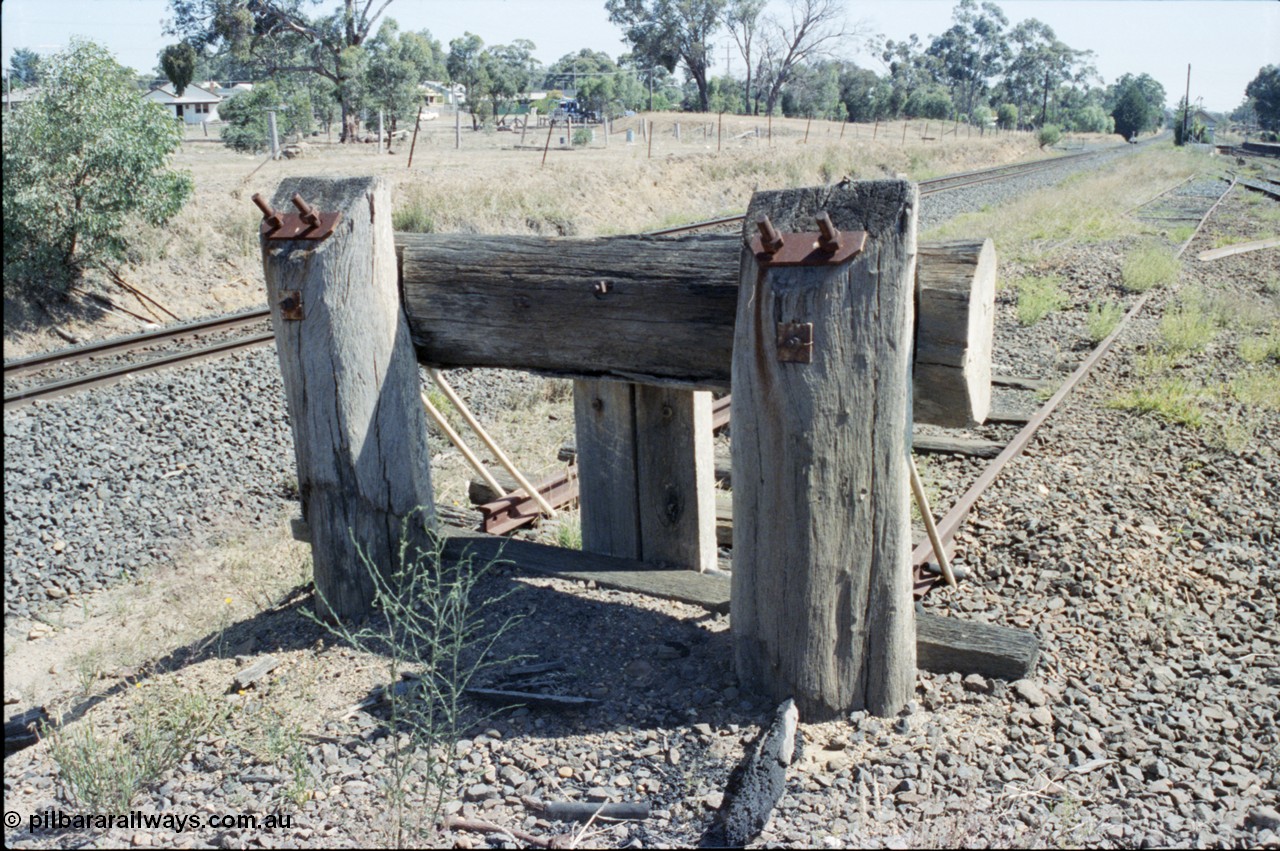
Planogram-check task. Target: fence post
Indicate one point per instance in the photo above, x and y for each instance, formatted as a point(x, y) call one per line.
point(351, 384)
point(821, 590)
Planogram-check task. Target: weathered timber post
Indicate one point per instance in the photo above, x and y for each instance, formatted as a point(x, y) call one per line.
point(821, 591)
point(646, 472)
point(351, 383)
point(956, 288)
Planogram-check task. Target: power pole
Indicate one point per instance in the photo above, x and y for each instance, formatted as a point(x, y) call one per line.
point(1044, 107)
point(1186, 105)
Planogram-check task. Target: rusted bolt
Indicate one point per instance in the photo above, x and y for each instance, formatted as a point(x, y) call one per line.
point(770, 239)
point(829, 237)
point(308, 214)
point(600, 288)
point(270, 216)
point(792, 342)
point(597, 404)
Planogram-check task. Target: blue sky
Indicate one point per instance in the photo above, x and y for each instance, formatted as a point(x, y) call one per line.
point(1225, 41)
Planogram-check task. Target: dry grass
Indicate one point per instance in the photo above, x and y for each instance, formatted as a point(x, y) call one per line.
point(1083, 208)
point(207, 262)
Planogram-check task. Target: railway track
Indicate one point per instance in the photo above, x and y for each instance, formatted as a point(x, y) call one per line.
point(79, 368)
point(67, 373)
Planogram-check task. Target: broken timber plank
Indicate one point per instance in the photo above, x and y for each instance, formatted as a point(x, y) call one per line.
point(1239, 248)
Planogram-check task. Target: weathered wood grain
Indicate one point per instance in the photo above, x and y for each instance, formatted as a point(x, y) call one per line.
point(648, 309)
point(351, 383)
point(667, 315)
point(675, 460)
point(956, 290)
point(604, 417)
point(944, 645)
point(821, 606)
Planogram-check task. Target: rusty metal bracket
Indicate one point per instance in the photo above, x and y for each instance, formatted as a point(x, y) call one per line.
point(825, 247)
point(291, 305)
point(795, 342)
point(307, 223)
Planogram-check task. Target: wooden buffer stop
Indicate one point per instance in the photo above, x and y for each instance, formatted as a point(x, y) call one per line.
point(811, 319)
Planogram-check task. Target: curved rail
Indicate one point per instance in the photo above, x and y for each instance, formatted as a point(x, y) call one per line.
point(950, 523)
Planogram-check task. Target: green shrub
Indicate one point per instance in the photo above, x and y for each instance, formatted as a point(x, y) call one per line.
point(1102, 320)
point(1007, 116)
point(104, 772)
point(1048, 135)
point(1038, 297)
point(1149, 266)
point(582, 136)
point(84, 166)
point(413, 219)
point(1173, 400)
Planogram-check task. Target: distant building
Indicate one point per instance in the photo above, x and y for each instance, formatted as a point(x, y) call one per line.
point(18, 97)
point(196, 106)
point(438, 94)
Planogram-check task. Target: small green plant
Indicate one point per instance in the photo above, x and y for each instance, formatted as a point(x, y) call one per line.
point(1271, 283)
point(569, 532)
point(1103, 319)
point(582, 136)
point(1172, 399)
point(1259, 349)
point(1038, 296)
point(435, 637)
point(1181, 233)
point(1048, 136)
point(1258, 389)
point(1187, 328)
point(413, 219)
point(103, 772)
point(1149, 266)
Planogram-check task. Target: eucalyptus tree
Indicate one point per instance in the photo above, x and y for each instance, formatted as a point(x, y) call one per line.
point(812, 30)
point(85, 163)
point(742, 19)
point(282, 38)
point(669, 33)
point(972, 52)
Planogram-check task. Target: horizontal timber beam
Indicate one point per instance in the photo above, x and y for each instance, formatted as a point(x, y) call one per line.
point(660, 310)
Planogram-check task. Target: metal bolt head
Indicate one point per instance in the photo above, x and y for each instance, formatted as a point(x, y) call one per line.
point(770, 239)
point(829, 237)
point(600, 288)
point(270, 216)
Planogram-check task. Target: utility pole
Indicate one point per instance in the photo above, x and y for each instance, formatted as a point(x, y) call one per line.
point(1044, 106)
point(1186, 105)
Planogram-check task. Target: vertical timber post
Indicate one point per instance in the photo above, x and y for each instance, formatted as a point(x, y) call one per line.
point(821, 605)
point(351, 384)
point(646, 473)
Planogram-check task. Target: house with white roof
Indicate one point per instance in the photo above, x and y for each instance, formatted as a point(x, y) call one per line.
point(197, 105)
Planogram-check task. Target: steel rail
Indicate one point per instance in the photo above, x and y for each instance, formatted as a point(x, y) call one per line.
point(20, 398)
point(959, 512)
point(932, 186)
point(119, 345)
